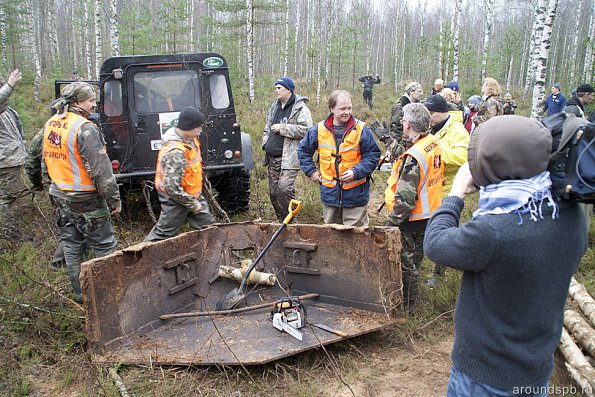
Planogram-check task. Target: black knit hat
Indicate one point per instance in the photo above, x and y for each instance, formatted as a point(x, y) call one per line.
point(436, 103)
point(190, 118)
point(584, 88)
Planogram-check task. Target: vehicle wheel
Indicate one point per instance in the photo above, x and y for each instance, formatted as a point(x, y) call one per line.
point(233, 190)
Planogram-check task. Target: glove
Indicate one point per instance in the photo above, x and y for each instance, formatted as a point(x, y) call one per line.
point(390, 224)
point(381, 131)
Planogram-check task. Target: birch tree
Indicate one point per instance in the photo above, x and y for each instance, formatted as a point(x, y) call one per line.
point(456, 37)
point(114, 33)
point(3, 45)
point(541, 63)
point(250, 48)
point(590, 51)
point(574, 50)
point(33, 35)
point(538, 25)
point(295, 38)
point(87, 41)
point(53, 34)
point(487, 33)
point(286, 53)
point(98, 48)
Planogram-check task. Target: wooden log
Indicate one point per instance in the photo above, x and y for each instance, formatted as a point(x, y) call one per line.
point(576, 363)
point(580, 330)
point(255, 277)
point(587, 304)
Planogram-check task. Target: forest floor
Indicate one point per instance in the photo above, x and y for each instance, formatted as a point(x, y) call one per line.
point(43, 350)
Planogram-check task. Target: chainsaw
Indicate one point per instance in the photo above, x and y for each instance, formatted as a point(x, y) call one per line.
point(289, 315)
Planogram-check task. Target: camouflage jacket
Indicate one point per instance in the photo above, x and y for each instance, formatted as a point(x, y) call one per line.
point(174, 164)
point(406, 193)
point(33, 163)
point(293, 131)
point(396, 117)
point(489, 108)
point(91, 146)
point(13, 149)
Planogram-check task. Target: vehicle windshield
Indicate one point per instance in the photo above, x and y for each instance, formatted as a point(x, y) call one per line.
point(165, 91)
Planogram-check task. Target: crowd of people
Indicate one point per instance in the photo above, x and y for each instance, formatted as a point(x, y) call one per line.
point(517, 253)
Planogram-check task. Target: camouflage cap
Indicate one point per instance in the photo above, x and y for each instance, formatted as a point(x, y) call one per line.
point(413, 86)
point(77, 91)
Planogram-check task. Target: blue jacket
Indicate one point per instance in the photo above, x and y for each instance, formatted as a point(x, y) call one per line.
point(336, 196)
point(554, 105)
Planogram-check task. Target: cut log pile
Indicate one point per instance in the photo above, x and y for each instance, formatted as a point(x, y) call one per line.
point(577, 343)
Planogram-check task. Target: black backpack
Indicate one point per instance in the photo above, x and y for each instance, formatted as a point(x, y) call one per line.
point(572, 162)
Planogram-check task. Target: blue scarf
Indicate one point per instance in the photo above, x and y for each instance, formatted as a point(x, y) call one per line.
point(521, 196)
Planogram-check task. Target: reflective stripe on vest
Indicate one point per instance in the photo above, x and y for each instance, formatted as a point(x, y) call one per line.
point(332, 164)
point(61, 154)
point(428, 154)
point(192, 179)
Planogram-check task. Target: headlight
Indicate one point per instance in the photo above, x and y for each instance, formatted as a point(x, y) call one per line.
point(228, 154)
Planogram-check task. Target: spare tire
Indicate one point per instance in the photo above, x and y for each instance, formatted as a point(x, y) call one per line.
point(233, 191)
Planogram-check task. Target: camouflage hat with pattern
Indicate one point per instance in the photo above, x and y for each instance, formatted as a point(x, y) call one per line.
point(413, 86)
point(77, 91)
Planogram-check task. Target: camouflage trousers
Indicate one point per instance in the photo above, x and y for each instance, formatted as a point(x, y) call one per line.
point(80, 229)
point(412, 254)
point(174, 215)
point(354, 216)
point(281, 187)
point(11, 185)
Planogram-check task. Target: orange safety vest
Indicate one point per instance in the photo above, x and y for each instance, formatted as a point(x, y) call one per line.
point(428, 154)
point(192, 180)
point(61, 153)
point(332, 165)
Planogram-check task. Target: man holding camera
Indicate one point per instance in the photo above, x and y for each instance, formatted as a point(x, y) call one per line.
point(368, 83)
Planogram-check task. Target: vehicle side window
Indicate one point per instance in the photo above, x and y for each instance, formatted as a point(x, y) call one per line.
point(219, 92)
point(165, 91)
point(112, 98)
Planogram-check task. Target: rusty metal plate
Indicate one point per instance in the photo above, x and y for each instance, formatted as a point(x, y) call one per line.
point(356, 272)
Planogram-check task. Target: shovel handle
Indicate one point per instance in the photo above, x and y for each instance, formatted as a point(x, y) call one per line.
point(294, 208)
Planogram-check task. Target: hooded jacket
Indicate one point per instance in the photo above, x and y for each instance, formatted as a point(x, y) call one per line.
point(297, 125)
point(454, 140)
point(13, 150)
point(575, 106)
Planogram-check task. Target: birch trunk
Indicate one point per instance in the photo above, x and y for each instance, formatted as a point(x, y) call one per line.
point(55, 53)
point(98, 49)
point(114, 33)
point(440, 43)
point(395, 46)
point(580, 329)
point(250, 48)
point(538, 24)
point(574, 50)
point(88, 62)
point(286, 57)
point(578, 292)
point(33, 34)
point(191, 24)
point(541, 64)
point(328, 35)
point(295, 39)
point(590, 51)
point(3, 45)
point(423, 18)
point(579, 367)
point(487, 34)
point(457, 35)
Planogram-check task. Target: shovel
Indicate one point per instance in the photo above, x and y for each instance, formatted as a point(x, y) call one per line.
point(235, 296)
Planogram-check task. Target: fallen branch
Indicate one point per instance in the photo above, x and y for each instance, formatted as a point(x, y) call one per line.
point(119, 382)
point(580, 329)
point(576, 363)
point(578, 292)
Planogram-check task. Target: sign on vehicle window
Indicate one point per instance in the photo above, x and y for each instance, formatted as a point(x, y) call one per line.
point(167, 121)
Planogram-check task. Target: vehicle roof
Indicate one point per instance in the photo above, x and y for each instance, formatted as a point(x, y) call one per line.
point(121, 62)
